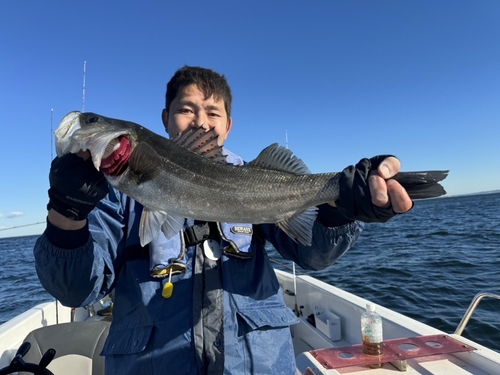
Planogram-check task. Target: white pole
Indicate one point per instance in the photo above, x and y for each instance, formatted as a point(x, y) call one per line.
point(83, 93)
point(51, 135)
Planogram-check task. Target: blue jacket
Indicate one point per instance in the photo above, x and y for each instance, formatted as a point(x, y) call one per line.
point(224, 317)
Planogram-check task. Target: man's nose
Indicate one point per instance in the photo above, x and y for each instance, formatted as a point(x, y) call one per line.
point(201, 121)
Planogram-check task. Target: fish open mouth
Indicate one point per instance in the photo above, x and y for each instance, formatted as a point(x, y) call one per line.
point(117, 160)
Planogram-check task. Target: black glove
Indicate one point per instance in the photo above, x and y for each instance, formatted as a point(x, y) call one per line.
point(355, 201)
point(75, 186)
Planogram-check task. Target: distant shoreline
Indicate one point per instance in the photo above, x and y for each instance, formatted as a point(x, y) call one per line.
point(470, 194)
point(421, 200)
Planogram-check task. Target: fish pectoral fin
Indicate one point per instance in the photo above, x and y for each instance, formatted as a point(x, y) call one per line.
point(151, 224)
point(144, 164)
point(279, 158)
point(299, 227)
point(172, 225)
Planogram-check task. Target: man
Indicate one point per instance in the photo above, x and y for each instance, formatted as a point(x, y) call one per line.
point(225, 313)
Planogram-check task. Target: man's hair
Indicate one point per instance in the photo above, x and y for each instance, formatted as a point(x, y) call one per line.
point(207, 81)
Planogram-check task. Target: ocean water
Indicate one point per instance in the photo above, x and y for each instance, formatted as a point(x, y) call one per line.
point(427, 264)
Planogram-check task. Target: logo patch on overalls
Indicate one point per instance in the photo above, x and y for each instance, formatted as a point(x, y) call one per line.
point(239, 229)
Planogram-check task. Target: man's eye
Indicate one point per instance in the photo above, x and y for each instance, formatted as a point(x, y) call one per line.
point(214, 114)
point(185, 110)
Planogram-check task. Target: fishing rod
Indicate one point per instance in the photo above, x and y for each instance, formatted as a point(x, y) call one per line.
point(51, 158)
point(52, 142)
point(21, 226)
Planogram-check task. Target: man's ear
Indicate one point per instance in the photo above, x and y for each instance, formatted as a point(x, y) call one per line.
point(229, 126)
point(164, 119)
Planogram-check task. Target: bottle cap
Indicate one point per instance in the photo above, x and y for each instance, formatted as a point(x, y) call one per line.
point(370, 307)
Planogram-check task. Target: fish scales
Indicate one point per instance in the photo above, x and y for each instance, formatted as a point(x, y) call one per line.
point(192, 185)
point(212, 191)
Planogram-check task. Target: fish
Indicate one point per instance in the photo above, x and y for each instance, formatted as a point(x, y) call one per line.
point(187, 176)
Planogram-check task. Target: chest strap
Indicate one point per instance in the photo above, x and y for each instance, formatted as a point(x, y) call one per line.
point(198, 233)
point(193, 235)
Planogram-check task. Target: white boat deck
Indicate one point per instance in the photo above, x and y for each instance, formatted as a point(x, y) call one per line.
point(329, 319)
point(342, 311)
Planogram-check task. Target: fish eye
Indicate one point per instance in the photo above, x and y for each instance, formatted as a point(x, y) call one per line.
point(92, 120)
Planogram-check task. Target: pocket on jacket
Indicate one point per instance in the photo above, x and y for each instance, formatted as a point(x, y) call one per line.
point(265, 318)
point(127, 341)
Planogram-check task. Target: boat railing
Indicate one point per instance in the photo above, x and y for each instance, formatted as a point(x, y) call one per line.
point(472, 307)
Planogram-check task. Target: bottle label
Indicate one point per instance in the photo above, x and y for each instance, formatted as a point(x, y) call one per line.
point(371, 329)
point(372, 333)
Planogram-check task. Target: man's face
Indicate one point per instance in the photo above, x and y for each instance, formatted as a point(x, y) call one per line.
point(191, 109)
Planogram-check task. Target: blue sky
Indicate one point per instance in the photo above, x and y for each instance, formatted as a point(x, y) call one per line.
point(344, 79)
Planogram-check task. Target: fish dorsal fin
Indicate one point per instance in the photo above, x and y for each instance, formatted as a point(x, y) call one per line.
point(172, 226)
point(299, 227)
point(144, 163)
point(279, 158)
point(202, 142)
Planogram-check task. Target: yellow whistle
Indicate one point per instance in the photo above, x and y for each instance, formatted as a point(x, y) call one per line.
point(168, 288)
point(167, 291)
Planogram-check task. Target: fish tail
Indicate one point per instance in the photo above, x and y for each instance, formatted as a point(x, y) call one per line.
point(422, 185)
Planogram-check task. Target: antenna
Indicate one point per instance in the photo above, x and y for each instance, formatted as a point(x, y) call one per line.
point(296, 310)
point(83, 93)
point(51, 134)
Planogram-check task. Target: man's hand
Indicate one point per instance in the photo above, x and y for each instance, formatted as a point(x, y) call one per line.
point(368, 194)
point(75, 187)
point(385, 192)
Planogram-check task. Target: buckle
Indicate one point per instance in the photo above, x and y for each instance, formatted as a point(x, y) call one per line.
point(198, 233)
point(230, 251)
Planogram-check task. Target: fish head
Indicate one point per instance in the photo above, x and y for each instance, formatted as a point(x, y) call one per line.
point(64, 134)
point(110, 141)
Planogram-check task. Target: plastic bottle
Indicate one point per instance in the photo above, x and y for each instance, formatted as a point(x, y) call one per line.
point(371, 331)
